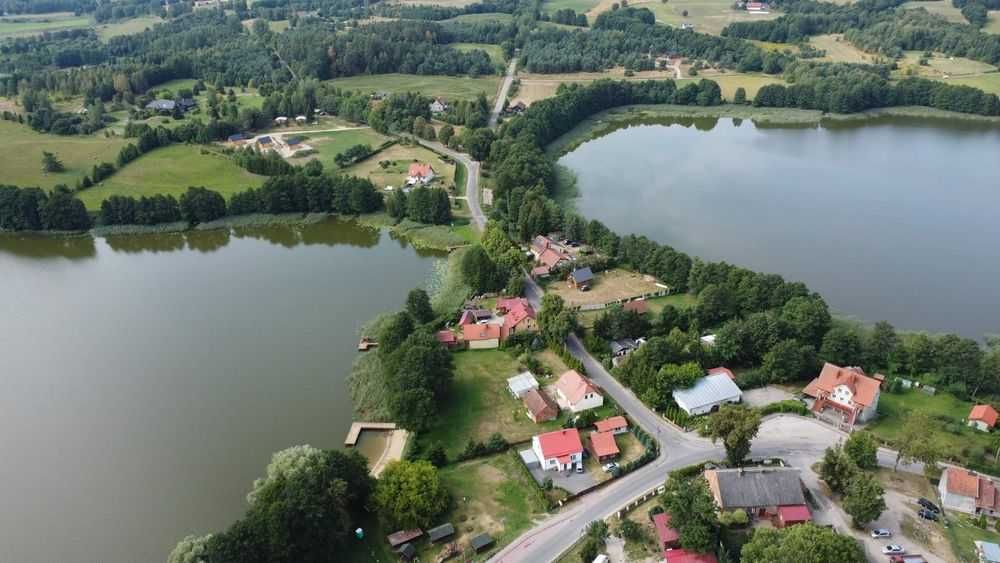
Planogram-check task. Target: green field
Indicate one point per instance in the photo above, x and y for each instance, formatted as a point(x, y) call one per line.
point(993, 23)
point(450, 87)
point(940, 7)
point(986, 82)
point(494, 51)
point(398, 158)
point(479, 18)
point(32, 24)
point(21, 155)
point(578, 6)
point(708, 16)
point(839, 49)
point(963, 533)
point(127, 27)
point(172, 170)
point(730, 82)
point(328, 145)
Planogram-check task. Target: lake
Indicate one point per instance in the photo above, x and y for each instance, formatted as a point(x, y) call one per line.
point(148, 379)
point(892, 219)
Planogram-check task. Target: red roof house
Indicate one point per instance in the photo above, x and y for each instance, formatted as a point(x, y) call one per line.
point(577, 393)
point(615, 425)
point(419, 172)
point(848, 390)
point(793, 514)
point(665, 535)
point(447, 338)
point(966, 491)
point(540, 407)
point(726, 371)
point(983, 417)
point(560, 449)
point(518, 316)
point(685, 556)
point(481, 336)
point(603, 446)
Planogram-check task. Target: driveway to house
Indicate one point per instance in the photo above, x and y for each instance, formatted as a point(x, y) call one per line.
point(471, 178)
point(571, 481)
point(798, 440)
point(502, 94)
point(765, 396)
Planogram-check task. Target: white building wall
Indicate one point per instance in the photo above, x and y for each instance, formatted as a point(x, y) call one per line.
point(589, 401)
point(979, 425)
point(952, 501)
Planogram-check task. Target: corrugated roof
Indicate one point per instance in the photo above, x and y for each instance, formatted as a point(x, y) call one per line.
point(708, 390)
point(521, 383)
point(440, 532)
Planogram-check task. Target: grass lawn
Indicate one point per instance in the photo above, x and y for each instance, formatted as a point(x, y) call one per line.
point(480, 403)
point(993, 22)
point(328, 145)
point(578, 6)
point(608, 286)
point(940, 65)
point(494, 495)
point(494, 51)
point(399, 157)
point(33, 24)
point(171, 170)
point(986, 82)
point(480, 18)
point(21, 155)
point(708, 16)
point(679, 300)
point(939, 7)
point(552, 362)
point(839, 49)
point(446, 3)
point(536, 87)
point(729, 82)
point(962, 532)
point(450, 87)
point(127, 27)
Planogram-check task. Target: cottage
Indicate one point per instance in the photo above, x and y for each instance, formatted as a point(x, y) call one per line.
point(540, 407)
point(761, 492)
point(407, 552)
point(447, 339)
point(518, 317)
point(162, 106)
point(481, 336)
point(988, 552)
point(264, 142)
point(983, 417)
point(666, 536)
point(581, 279)
point(559, 450)
point(623, 347)
point(521, 384)
point(540, 272)
point(615, 425)
point(757, 7)
point(577, 393)
point(603, 446)
point(639, 306)
point(187, 104)
point(968, 492)
point(397, 539)
point(708, 394)
point(441, 532)
point(419, 173)
point(549, 253)
point(293, 142)
point(438, 106)
point(847, 390)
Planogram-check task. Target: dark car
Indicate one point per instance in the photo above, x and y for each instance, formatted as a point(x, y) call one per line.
point(928, 514)
point(928, 505)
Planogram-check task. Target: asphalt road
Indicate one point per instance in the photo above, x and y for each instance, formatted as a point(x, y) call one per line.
point(799, 440)
point(502, 93)
point(471, 179)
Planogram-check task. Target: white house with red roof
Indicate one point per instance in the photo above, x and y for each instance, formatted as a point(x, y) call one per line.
point(983, 417)
point(559, 450)
point(577, 393)
point(969, 492)
point(847, 390)
point(419, 173)
point(615, 425)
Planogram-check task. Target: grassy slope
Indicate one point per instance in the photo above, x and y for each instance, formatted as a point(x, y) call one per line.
point(479, 18)
point(451, 87)
point(940, 7)
point(21, 155)
point(579, 6)
point(708, 16)
point(329, 145)
point(494, 51)
point(127, 27)
point(839, 49)
point(171, 170)
point(32, 24)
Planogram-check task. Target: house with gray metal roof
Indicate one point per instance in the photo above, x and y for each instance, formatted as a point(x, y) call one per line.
point(708, 394)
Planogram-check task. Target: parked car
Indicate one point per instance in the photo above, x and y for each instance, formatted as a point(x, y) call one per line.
point(579, 468)
point(928, 505)
point(609, 467)
point(928, 514)
point(881, 533)
point(893, 549)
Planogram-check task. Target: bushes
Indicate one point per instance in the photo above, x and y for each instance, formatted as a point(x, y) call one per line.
point(473, 449)
point(787, 406)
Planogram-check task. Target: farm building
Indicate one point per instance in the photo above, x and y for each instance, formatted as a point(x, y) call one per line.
point(581, 279)
point(708, 394)
point(761, 492)
point(539, 406)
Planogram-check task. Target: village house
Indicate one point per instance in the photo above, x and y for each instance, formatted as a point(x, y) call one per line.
point(521, 384)
point(516, 108)
point(447, 339)
point(549, 254)
point(614, 425)
point(518, 316)
point(603, 446)
point(539, 406)
point(773, 492)
point(581, 279)
point(162, 106)
point(236, 138)
point(666, 536)
point(481, 336)
point(983, 418)
point(419, 173)
point(438, 106)
point(301, 119)
point(474, 316)
point(577, 393)
point(968, 492)
point(559, 450)
point(264, 142)
point(757, 7)
point(684, 556)
point(708, 394)
point(848, 390)
point(623, 347)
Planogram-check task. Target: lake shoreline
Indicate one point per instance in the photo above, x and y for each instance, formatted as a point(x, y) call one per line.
point(608, 121)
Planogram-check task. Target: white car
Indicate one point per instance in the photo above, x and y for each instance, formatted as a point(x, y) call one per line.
point(893, 550)
point(609, 467)
point(881, 533)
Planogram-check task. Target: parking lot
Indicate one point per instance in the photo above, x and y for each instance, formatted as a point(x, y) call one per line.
point(573, 482)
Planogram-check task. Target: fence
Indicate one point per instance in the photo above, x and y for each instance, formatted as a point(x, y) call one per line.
point(599, 306)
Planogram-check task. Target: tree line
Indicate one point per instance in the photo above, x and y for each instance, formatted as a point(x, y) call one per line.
point(33, 209)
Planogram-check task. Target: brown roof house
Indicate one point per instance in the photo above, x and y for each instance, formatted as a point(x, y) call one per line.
point(540, 406)
point(847, 390)
point(966, 491)
point(983, 417)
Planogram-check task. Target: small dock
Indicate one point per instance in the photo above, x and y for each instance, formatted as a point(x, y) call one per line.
point(356, 427)
point(366, 344)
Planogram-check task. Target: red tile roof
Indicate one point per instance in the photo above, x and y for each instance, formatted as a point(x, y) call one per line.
point(664, 532)
point(962, 482)
point(517, 310)
point(604, 444)
point(794, 513)
point(639, 306)
point(420, 170)
point(685, 556)
point(551, 257)
point(611, 424)
point(560, 444)
point(542, 407)
point(540, 271)
point(865, 389)
point(446, 337)
point(473, 333)
point(574, 386)
point(727, 371)
point(985, 413)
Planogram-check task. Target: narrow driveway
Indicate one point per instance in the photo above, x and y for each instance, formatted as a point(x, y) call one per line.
point(502, 93)
point(471, 178)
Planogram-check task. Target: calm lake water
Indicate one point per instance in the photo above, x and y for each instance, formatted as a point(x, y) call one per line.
point(895, 219)
point(147, 380)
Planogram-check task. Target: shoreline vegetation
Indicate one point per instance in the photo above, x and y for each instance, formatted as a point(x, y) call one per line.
point(611, 120)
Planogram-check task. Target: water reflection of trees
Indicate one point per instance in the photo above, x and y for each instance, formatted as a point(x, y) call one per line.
point(46, 247)
point(154, 242)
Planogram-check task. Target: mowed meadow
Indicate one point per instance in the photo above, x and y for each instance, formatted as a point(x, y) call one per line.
point(21, 151)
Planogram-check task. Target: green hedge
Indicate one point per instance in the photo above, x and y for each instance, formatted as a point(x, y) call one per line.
point(787, 406)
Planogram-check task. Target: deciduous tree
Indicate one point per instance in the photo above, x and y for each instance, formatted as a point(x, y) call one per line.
point(864, 499)
point(804, 543)
point(736, 426)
